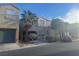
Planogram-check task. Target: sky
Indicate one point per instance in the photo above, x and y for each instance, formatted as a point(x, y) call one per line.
point(68, 12)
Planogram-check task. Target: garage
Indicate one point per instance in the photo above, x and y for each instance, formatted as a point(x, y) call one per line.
point(7, 35)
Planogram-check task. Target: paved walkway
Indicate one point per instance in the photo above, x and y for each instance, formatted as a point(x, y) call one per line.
point(76, 40)
point(38, 49)
point(14, 46)
point(41, 50)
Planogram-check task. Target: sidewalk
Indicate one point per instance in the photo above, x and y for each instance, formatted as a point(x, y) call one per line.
point(14, 46)
point(75, 40)
point(42, 50)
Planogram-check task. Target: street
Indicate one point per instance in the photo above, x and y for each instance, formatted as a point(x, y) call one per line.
point(66, 53)
point(51, 49)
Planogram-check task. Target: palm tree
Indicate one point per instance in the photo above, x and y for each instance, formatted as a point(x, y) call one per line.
point(27, 19)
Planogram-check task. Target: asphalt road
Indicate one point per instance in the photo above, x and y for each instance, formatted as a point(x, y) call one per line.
point(52, 49)
point(66, 53)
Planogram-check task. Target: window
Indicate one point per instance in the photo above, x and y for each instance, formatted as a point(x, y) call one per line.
point(10, 13)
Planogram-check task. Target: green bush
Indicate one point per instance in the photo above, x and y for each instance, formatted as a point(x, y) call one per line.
point(51, 39)
point(33, 36)
point(53, 36)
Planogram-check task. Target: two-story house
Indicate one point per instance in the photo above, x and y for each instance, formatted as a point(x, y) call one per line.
point(40, 26)
point(9, 23)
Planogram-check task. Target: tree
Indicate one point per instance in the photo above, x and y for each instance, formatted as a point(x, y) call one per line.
point(27, 21)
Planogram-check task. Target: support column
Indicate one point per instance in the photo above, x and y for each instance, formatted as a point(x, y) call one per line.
point(17, 36)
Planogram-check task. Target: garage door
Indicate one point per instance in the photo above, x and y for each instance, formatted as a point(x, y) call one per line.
point(7, 35)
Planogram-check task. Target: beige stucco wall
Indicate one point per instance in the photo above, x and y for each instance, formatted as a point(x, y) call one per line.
point(9, 22)
point(43, 22)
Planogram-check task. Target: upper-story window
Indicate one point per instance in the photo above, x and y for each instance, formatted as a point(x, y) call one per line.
point(10, 13)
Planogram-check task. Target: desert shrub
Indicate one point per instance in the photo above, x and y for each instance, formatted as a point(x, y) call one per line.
point(51, 39)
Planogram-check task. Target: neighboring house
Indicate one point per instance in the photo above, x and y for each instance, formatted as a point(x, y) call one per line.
point(9, 23)
point(41, 27)
point(43, 22)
